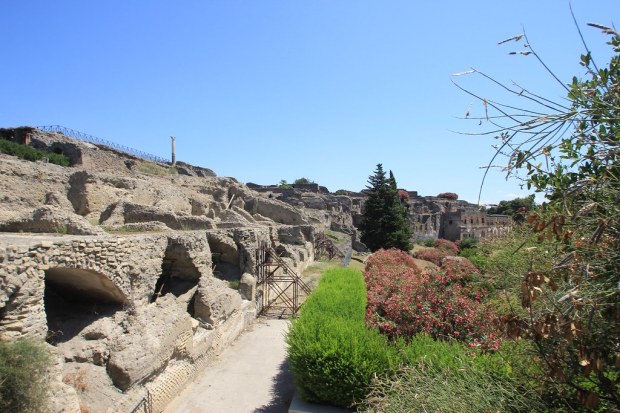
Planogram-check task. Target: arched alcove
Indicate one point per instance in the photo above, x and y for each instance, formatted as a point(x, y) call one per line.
point(225, 256)
point(178, 273)
point(74, 298)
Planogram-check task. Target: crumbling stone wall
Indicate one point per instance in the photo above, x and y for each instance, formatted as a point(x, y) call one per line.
point(144, 344)
point(138, 314)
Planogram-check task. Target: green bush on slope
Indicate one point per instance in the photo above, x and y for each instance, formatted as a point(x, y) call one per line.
point(31, 154)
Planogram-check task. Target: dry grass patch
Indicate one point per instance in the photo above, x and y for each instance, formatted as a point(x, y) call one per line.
point(313, 273)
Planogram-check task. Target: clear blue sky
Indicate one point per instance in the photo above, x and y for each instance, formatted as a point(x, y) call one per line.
point(270, 90)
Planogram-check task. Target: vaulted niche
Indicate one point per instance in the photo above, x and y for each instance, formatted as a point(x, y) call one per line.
point(74, 298)
point(225, 256)
point(178, 274)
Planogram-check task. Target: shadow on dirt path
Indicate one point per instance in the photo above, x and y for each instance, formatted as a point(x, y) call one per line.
point(282, 391)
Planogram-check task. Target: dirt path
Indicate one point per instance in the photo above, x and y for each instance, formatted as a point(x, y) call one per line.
point(250, 376)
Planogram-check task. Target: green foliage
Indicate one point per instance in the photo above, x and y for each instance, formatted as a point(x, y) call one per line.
point(446, 376)
point(429, 242)
point(234, 284)
point(333, 355)
point(504, 260)
point(284, 185)
point(427, 388)
point(385, 223)
point(31, 154)
point(468, 243)
point(303, 181)
point(342, 192)
point(516, 208)
point(23, 376)
point(152, 168)
point(570, 151)
point(61, 229)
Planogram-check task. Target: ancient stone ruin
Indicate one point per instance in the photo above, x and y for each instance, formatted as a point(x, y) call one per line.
point(138, 273)
point(136, 277)
point(429, 216)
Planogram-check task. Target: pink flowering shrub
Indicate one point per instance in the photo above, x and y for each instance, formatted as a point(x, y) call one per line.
point(448, 195)
point(403, 300)
point(447, 246)
point(381, 270)
point(393, 258)
point(460, 268)
point(443, 248)
point(433, 255)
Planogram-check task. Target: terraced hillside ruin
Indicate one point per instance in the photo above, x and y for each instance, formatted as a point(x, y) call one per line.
point(136, 273)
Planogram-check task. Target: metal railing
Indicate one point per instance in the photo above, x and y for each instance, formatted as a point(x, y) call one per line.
point(81, 136)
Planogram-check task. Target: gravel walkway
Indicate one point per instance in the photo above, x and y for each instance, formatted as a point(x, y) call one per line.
point(250, 376)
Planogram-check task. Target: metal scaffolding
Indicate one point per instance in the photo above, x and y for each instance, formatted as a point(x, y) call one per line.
point(278, 284)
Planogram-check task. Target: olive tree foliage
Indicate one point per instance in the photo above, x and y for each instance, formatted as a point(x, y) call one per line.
point(570, 152)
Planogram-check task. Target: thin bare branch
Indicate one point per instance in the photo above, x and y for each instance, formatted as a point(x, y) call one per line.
point(515, 38)
point(524, 90)
point(543, 63)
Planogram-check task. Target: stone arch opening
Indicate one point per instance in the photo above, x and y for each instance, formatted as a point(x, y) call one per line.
point(74, 298)
point(178, 275)
point(225, 257)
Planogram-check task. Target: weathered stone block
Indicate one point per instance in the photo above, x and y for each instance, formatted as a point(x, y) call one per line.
point(215, 301)
point(247, 287)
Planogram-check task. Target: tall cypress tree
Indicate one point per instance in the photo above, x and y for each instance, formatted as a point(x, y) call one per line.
point(385, 223)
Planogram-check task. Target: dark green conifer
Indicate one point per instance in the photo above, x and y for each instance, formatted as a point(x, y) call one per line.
point(385, 223)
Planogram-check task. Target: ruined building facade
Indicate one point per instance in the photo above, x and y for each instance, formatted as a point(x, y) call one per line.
point(429, 216)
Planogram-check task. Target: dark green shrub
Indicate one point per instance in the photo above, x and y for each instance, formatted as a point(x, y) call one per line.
point(31, 154)
point(23, 377)
point(467, 243)
point(333, 355)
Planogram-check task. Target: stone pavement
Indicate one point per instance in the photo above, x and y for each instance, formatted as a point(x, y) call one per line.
point(250, 376)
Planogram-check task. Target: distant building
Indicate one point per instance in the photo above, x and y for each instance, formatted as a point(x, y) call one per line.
point(463, 223)
point(429, 216)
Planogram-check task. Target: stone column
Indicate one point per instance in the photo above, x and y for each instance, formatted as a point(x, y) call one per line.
point(174, 155)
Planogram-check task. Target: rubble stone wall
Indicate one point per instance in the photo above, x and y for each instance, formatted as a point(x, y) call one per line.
point(148, 348)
